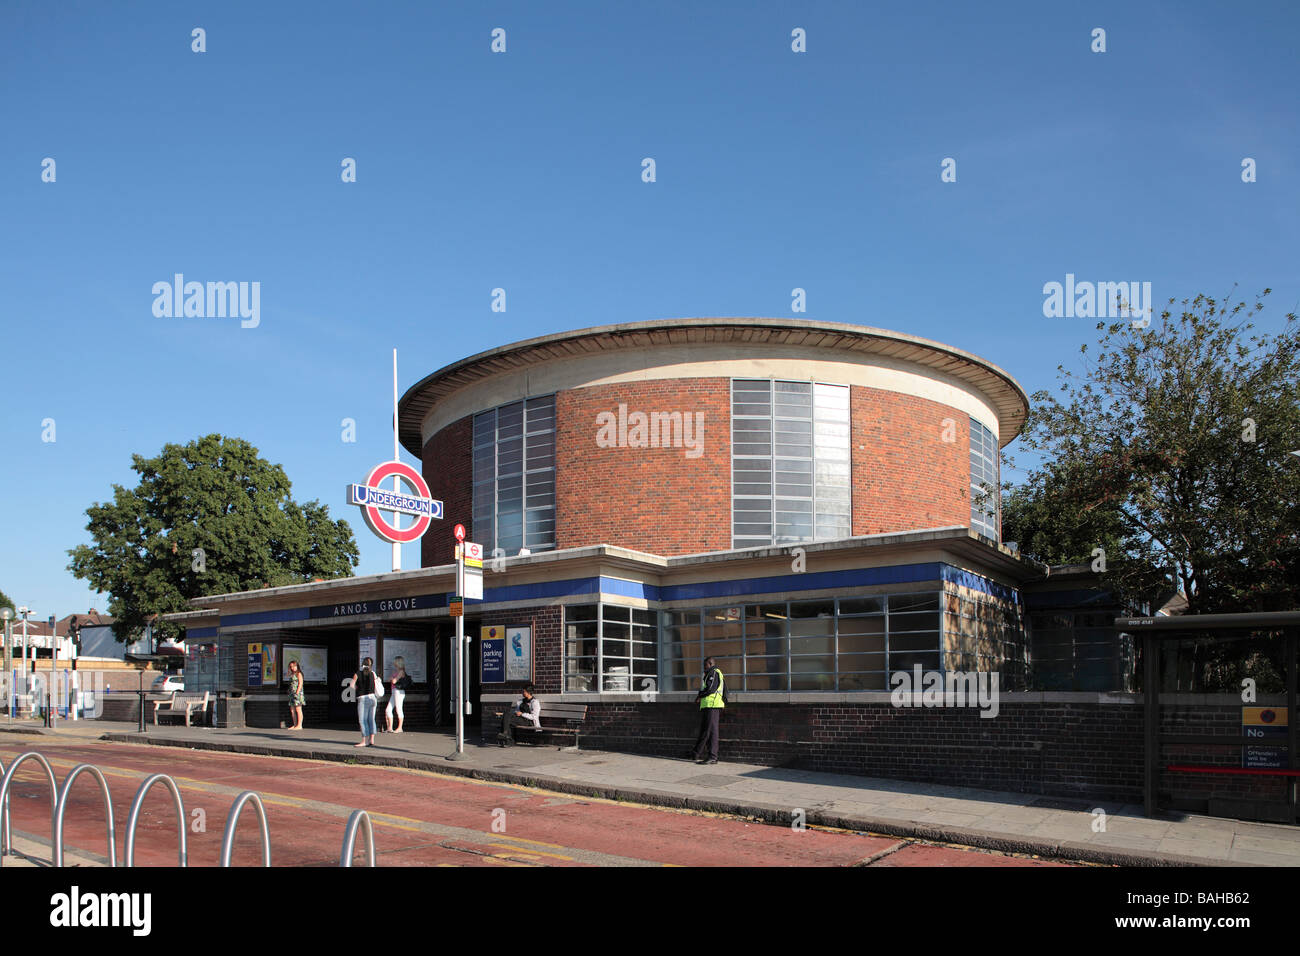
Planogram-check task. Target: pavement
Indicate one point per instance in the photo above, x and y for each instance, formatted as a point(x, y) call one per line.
point(988, 819)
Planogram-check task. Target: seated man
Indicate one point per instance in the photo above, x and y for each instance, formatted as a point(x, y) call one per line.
point(527, 712)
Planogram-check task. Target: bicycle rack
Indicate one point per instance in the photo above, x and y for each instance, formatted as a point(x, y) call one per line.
point(134, 818)
point(232, 821)
point(5, 848)
point(350, 838)
point(4, 792)
point(63, 806)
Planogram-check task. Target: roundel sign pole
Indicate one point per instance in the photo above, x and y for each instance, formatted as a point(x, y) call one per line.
point(374, 501)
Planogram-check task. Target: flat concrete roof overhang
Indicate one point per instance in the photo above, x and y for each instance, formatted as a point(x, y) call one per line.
point(959, 541)
point(1002, 391)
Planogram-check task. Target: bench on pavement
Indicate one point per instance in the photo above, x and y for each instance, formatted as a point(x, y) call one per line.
point(555, 719)
point(181, 704)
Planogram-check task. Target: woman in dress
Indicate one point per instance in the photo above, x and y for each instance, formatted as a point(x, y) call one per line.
point(297, 694)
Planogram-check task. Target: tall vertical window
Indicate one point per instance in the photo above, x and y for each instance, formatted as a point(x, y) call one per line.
point(790, 475)
point(984, 492)
point(514, 476)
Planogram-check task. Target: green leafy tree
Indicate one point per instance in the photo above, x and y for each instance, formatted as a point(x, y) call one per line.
point(5, 602)
point(210, 517)
point(1173, 447)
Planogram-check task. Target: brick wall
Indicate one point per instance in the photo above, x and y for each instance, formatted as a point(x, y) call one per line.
point(905, 476)
point(656, 499)
point(448, 466)
point(1084, 751)
point(649, 499)
point(548, 651)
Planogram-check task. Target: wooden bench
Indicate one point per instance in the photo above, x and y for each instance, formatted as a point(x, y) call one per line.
point(180, 704)
point(556, 719)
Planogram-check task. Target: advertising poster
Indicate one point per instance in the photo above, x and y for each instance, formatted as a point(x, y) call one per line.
point(412, 652)
point(519, 653)
point(268, 665)
point(312, 660)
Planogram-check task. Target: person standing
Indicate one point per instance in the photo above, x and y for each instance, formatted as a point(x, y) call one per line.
point(527, 712)
point(398, 684)
point(297, 694)
point(363, 683)
point(712, 700)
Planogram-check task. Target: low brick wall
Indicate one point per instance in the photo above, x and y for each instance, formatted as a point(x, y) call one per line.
point(1067, 745)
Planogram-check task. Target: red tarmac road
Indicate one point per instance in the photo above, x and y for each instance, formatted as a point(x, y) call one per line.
point(420, 818)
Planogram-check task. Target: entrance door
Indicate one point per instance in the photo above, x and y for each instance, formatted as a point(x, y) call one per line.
point(344, 660)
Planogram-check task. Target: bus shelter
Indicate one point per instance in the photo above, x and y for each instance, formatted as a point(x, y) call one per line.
point(1219, 695)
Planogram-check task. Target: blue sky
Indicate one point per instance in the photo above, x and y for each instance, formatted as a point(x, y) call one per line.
point(522, 170)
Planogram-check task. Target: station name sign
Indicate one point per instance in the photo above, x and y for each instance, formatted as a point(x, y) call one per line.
point(417, 602)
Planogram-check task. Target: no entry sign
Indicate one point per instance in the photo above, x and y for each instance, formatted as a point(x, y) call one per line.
point(374, 500)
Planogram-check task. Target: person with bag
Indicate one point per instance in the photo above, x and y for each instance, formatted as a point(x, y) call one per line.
point(712, 698)
point(400, 683)
point(366, 686)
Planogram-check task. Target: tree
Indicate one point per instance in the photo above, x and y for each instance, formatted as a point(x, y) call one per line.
point(1174, 446)
point(210, 517)
point(5, 602)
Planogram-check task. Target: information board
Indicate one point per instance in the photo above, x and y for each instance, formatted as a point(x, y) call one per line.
point(312, 660)
point(413, 654)
point(493, 660)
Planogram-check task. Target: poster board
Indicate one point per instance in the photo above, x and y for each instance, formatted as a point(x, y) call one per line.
point(415, 654)
point(492, 655)
point(254, 665)
point(314, 662)
point(519, 654)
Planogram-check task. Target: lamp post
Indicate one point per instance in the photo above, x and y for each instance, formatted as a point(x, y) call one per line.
point(6, 615)
point(24, 611)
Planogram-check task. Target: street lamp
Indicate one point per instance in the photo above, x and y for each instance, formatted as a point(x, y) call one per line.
point(24, 611)
point(6, 615)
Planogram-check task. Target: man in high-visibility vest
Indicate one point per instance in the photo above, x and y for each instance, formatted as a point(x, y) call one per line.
point(712, 701)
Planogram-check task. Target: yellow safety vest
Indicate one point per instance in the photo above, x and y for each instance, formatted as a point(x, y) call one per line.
point(714, 699)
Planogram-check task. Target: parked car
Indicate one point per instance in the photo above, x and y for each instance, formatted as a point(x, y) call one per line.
point(167, 683)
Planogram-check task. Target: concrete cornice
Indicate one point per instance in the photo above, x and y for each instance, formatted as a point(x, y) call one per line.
point(1002, 391)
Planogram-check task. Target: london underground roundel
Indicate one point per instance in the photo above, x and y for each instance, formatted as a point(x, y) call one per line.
point(375, 500)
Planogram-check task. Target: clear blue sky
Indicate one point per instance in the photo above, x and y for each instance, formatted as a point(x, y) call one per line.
point(522, 170)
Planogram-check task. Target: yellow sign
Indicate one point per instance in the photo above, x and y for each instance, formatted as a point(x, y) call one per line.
point(473, 563)
point(1263, 716)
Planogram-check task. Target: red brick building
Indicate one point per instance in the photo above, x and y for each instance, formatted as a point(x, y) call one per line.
point(813, 505)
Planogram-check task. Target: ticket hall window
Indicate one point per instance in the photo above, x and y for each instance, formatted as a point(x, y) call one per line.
point(514, 476)
point(620, 644)
point(984, 492)
point(845, 644)
point(790, 478)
